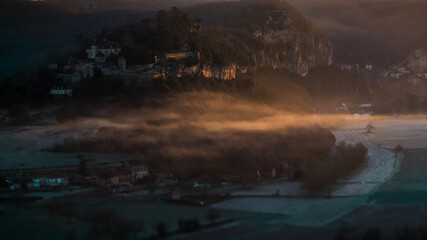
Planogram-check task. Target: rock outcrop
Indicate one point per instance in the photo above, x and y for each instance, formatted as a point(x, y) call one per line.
point(227, 72)
point(267, 34)
point(303, 52)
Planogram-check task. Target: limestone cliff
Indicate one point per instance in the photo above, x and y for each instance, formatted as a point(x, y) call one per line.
point(227, 72)
point(264, 34)
point(215, 38)
point(303, 51)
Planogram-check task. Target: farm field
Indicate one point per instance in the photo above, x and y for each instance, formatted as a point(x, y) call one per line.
point(410, 133)
point(392, 196)
point(409, 185)
point(299, 211)
point(388, 186)
point(381, 165)
point(24, 147)
point(382, 169)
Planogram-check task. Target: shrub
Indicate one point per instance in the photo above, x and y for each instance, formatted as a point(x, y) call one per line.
point(346, 159)
point(398, 149)
point(370, 127)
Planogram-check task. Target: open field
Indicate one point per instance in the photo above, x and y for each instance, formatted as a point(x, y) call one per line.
point(347, 195)
point(20, 223)
point(409, 133)
point(396, 200)
point(409, 185)
point(23, 147)
point(380, 166)
point(387, 193)
point(150, 213)
point(300, 211)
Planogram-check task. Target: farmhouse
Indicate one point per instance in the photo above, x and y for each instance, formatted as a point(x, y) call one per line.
point(139, 172)
point(124, 174)
point(103, 46)
point(111, 177)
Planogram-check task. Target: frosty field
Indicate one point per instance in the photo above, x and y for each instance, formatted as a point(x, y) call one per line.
point(386, 177)
point(24, 147)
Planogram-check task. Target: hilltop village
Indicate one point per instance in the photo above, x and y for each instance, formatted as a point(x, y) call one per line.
point(104, 58)
point(412, 71)
point(173, 45)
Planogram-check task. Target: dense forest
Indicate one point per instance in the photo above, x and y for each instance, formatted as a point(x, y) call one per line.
point(175, 30)
point(239, 37)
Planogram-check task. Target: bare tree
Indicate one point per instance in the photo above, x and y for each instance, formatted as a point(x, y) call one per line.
point(398, 149)
point(213, 215)
point(370, 127)
point(161, 229)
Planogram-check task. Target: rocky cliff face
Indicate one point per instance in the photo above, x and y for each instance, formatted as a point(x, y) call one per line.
point(291, 42)
point(303, 51)
point(227, 72)
point(267, 34)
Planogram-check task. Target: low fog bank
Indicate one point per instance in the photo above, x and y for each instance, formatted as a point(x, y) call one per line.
point(193, 117)
point(208, 135)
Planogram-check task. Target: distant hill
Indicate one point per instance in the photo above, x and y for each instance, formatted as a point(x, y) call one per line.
point(290, 40)
point(380, 32)
point(247, 33)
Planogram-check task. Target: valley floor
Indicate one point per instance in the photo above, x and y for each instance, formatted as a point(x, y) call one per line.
point(348, 194)
point(392, 192)
point(388, 193)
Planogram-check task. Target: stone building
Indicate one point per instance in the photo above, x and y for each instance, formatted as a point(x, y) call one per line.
point(104, 46)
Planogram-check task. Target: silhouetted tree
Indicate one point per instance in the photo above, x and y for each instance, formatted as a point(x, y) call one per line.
point(398, 149)
point(24, 185)
point(3, 183)
point(370, 127)
point(213, 215)
point(161, 229)
point(82, 164)
point(411, 103)
point(372, 234)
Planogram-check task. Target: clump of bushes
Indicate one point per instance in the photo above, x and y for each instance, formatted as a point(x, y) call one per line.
point(398, 149)
point(344, 160)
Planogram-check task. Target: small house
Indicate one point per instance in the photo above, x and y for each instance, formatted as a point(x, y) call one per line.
point(139, 172)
